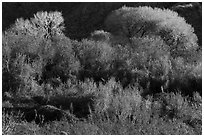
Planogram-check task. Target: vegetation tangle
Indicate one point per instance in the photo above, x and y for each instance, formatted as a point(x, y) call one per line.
point(141, 74)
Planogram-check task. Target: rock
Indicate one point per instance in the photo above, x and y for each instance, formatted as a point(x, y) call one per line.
point(48, 113)
point(192, 12)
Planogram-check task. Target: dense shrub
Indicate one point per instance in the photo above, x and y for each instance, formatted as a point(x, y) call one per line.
point(76, 14)
point(113, 106)
point(112, 98)
point(109, 81)
point(63, 64)
point(154, 40)
point(100, 35)
point(96, 59)
point(150, 60)
point(50, 57)
point(192, 12)
point(186, 77)
point(146, 60)
point(38, 48)
point(42, 25)
point(142, 21)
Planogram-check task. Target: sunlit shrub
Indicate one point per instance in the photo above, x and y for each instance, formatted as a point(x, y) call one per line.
point(150, 60)
point(115, 101)
point(44, 24)
point(63, 64)
point(180, 107)
point(100, 35)
point(46, 52)
point(186, 77)
point(96, 59)
point(154, 40)
point(130, 22)
point(8, 124)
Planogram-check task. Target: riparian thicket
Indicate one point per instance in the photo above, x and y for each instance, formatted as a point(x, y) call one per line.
point(143, 56)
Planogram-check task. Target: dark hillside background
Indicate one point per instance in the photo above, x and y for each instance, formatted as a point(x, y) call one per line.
point(83, 18)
